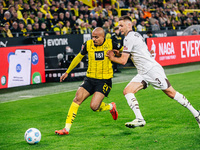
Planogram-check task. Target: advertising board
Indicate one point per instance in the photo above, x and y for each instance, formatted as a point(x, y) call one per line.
point(175, 50)
point(22, 65)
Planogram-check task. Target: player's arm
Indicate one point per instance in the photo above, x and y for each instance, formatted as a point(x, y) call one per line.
point(74, 62)
point(120, 60)
point(124, 55)
point(117, 48)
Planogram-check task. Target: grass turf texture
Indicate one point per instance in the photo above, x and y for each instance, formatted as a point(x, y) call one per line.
point(169, 125)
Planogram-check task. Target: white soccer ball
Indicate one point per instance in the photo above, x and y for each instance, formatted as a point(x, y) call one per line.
point(32, 136)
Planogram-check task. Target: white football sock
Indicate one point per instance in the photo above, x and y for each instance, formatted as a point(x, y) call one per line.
point(111, 106)
point(133, 103)
point(68, 126)
point(184, 102)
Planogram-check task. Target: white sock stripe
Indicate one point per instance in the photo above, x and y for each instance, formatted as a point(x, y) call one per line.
point(181, 99)
point(133, 104)
point(184, 102)
point(132, 101)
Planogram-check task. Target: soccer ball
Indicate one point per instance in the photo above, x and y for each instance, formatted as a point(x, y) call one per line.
point(32, 136)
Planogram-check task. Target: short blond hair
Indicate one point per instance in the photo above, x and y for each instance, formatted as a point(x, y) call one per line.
point(126, 17)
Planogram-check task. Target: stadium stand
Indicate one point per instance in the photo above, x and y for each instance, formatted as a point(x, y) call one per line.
point(75, 16)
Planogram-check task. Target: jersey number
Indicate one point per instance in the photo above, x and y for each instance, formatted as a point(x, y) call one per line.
point(99, 55)
point(105, 88)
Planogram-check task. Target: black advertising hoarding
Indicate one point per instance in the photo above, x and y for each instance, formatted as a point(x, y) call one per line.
point(163, 33)
point(57, 46)
point(53, 75)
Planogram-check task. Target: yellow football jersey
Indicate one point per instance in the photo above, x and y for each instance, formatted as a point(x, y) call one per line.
point(99, 66)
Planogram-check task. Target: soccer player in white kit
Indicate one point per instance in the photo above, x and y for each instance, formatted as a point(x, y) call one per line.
point(149, 73)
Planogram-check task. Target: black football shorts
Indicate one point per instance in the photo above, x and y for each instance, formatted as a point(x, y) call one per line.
point(97, 85)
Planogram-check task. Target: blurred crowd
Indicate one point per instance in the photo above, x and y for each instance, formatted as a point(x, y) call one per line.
point(58, 17)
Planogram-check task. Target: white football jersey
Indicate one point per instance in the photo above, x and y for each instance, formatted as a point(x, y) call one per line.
point(135, 44)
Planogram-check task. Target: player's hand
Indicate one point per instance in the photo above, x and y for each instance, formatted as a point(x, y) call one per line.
point(116, 52)
point(110, 54)
point(63, 77)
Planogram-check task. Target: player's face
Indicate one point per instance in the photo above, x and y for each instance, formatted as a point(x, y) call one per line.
point(97, 38)
point(124, 27)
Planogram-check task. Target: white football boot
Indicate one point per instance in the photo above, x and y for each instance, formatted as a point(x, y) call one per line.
point(135, 123)
point(198, 119)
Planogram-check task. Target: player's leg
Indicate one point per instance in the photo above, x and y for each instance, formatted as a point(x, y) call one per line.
point(102, 89)
point(183, 101)
point(136, 84)
point(157, 78)
point(81, 95)
point(98, 105)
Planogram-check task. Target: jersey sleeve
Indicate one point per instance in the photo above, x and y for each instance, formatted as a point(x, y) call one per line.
point(128, 44)
point(75, 62)
point(116, 45)
point(113, 36)
point(84, 49)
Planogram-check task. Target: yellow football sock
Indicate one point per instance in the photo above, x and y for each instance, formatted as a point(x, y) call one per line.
point(71, 115)
point(104, 107)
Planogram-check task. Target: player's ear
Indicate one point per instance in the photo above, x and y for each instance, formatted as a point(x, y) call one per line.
point(129, 24)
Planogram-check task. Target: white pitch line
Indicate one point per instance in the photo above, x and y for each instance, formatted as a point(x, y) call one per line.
point(28, 96)
point(37, 96)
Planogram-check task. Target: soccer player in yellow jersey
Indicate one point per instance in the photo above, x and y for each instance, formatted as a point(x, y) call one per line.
point(98, 78)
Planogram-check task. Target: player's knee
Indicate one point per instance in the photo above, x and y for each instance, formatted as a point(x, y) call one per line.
point(125, 91)
point(78, 100)
point(94, 107)
point(131, 89)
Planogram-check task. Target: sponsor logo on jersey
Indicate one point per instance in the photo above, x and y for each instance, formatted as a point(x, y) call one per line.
point(125, 48)
point(99, 55)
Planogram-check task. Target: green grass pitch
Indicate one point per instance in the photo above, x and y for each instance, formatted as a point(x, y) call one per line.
point(169, 125)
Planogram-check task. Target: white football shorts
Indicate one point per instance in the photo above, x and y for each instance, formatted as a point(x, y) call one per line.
point(155, 77)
